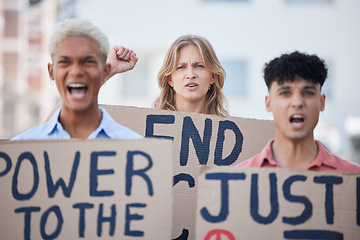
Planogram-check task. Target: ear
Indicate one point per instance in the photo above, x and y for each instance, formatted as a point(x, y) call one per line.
point(213, 79)
point(322, 102)
point(51, 71)
point(170, 82)
point(107, 69)
point(267, 103)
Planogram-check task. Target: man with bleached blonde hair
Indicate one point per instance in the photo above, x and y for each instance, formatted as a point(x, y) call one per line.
point(78, 52)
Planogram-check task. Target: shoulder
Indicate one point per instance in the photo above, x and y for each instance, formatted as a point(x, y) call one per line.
point(38, 132)
point(42, 131)
point(346, 166)
point(337, 163)
point(263, 158)
point(251, 162)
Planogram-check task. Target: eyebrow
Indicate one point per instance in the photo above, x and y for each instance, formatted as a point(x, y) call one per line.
point(63, 57)
point(86, 57)
point(180, 63)
point(89, 57)
point(309, 87)
point(282, 88)
point(306, 87)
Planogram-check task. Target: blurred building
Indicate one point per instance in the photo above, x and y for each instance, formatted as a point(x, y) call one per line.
point(352, 127)
point(25, 96)
point(244, 33)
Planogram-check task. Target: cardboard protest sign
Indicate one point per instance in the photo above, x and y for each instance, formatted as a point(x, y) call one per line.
point(199, 140)
point(90, 189)
point(274, 203)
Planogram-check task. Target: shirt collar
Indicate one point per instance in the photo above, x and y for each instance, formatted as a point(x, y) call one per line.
point(106, 126)
point(53, 123)
point(323, 157)
point(266, 156)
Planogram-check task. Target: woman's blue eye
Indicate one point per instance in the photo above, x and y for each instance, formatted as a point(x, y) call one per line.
point(180, 67)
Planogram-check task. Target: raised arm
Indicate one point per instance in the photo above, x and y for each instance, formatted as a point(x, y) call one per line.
point(121, 59)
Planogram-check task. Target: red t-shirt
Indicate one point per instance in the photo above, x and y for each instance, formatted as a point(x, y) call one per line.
point(324, 161)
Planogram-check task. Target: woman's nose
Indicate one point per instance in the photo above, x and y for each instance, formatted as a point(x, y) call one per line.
point(190, 73)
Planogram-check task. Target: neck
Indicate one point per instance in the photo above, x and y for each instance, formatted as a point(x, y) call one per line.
point(80, 124)
point(294, 154)
point(193, 107)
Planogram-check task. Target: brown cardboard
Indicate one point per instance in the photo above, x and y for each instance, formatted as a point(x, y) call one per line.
point(113, 176)
point(255, 134)
point(334, 199)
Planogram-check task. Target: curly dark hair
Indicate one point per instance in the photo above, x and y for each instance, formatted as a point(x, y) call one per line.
point(289, 66)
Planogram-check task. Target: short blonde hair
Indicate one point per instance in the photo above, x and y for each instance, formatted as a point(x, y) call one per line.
point(78, 28)
point(215, 98)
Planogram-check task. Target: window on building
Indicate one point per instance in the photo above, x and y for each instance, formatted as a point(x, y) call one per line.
point(135, 82)
point(12, 24)
point(34, 2)
point(9, 113)
point(226, 0)
point(327, 86)
point(236, 83)
point(67, 9)
point(309, 1)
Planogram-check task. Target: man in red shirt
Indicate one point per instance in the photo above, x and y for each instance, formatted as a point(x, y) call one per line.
point(294, 83)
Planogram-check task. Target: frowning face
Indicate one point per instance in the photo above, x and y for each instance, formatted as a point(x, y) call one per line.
point(190, 80)
point(79, 70)
point(295, 106)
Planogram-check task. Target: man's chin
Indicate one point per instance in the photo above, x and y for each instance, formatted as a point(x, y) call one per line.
point(298, 138)
point(78, 107)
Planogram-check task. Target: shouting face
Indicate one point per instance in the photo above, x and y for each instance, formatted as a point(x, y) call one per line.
point(79, 70)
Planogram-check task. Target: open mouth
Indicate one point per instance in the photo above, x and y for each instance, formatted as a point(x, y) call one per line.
point(297, 120)
point(77, 90)
point(191, 85)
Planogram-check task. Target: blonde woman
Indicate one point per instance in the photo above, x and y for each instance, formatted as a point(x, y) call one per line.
point(191, 78)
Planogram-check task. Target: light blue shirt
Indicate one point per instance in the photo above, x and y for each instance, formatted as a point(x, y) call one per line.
point(53, 129)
